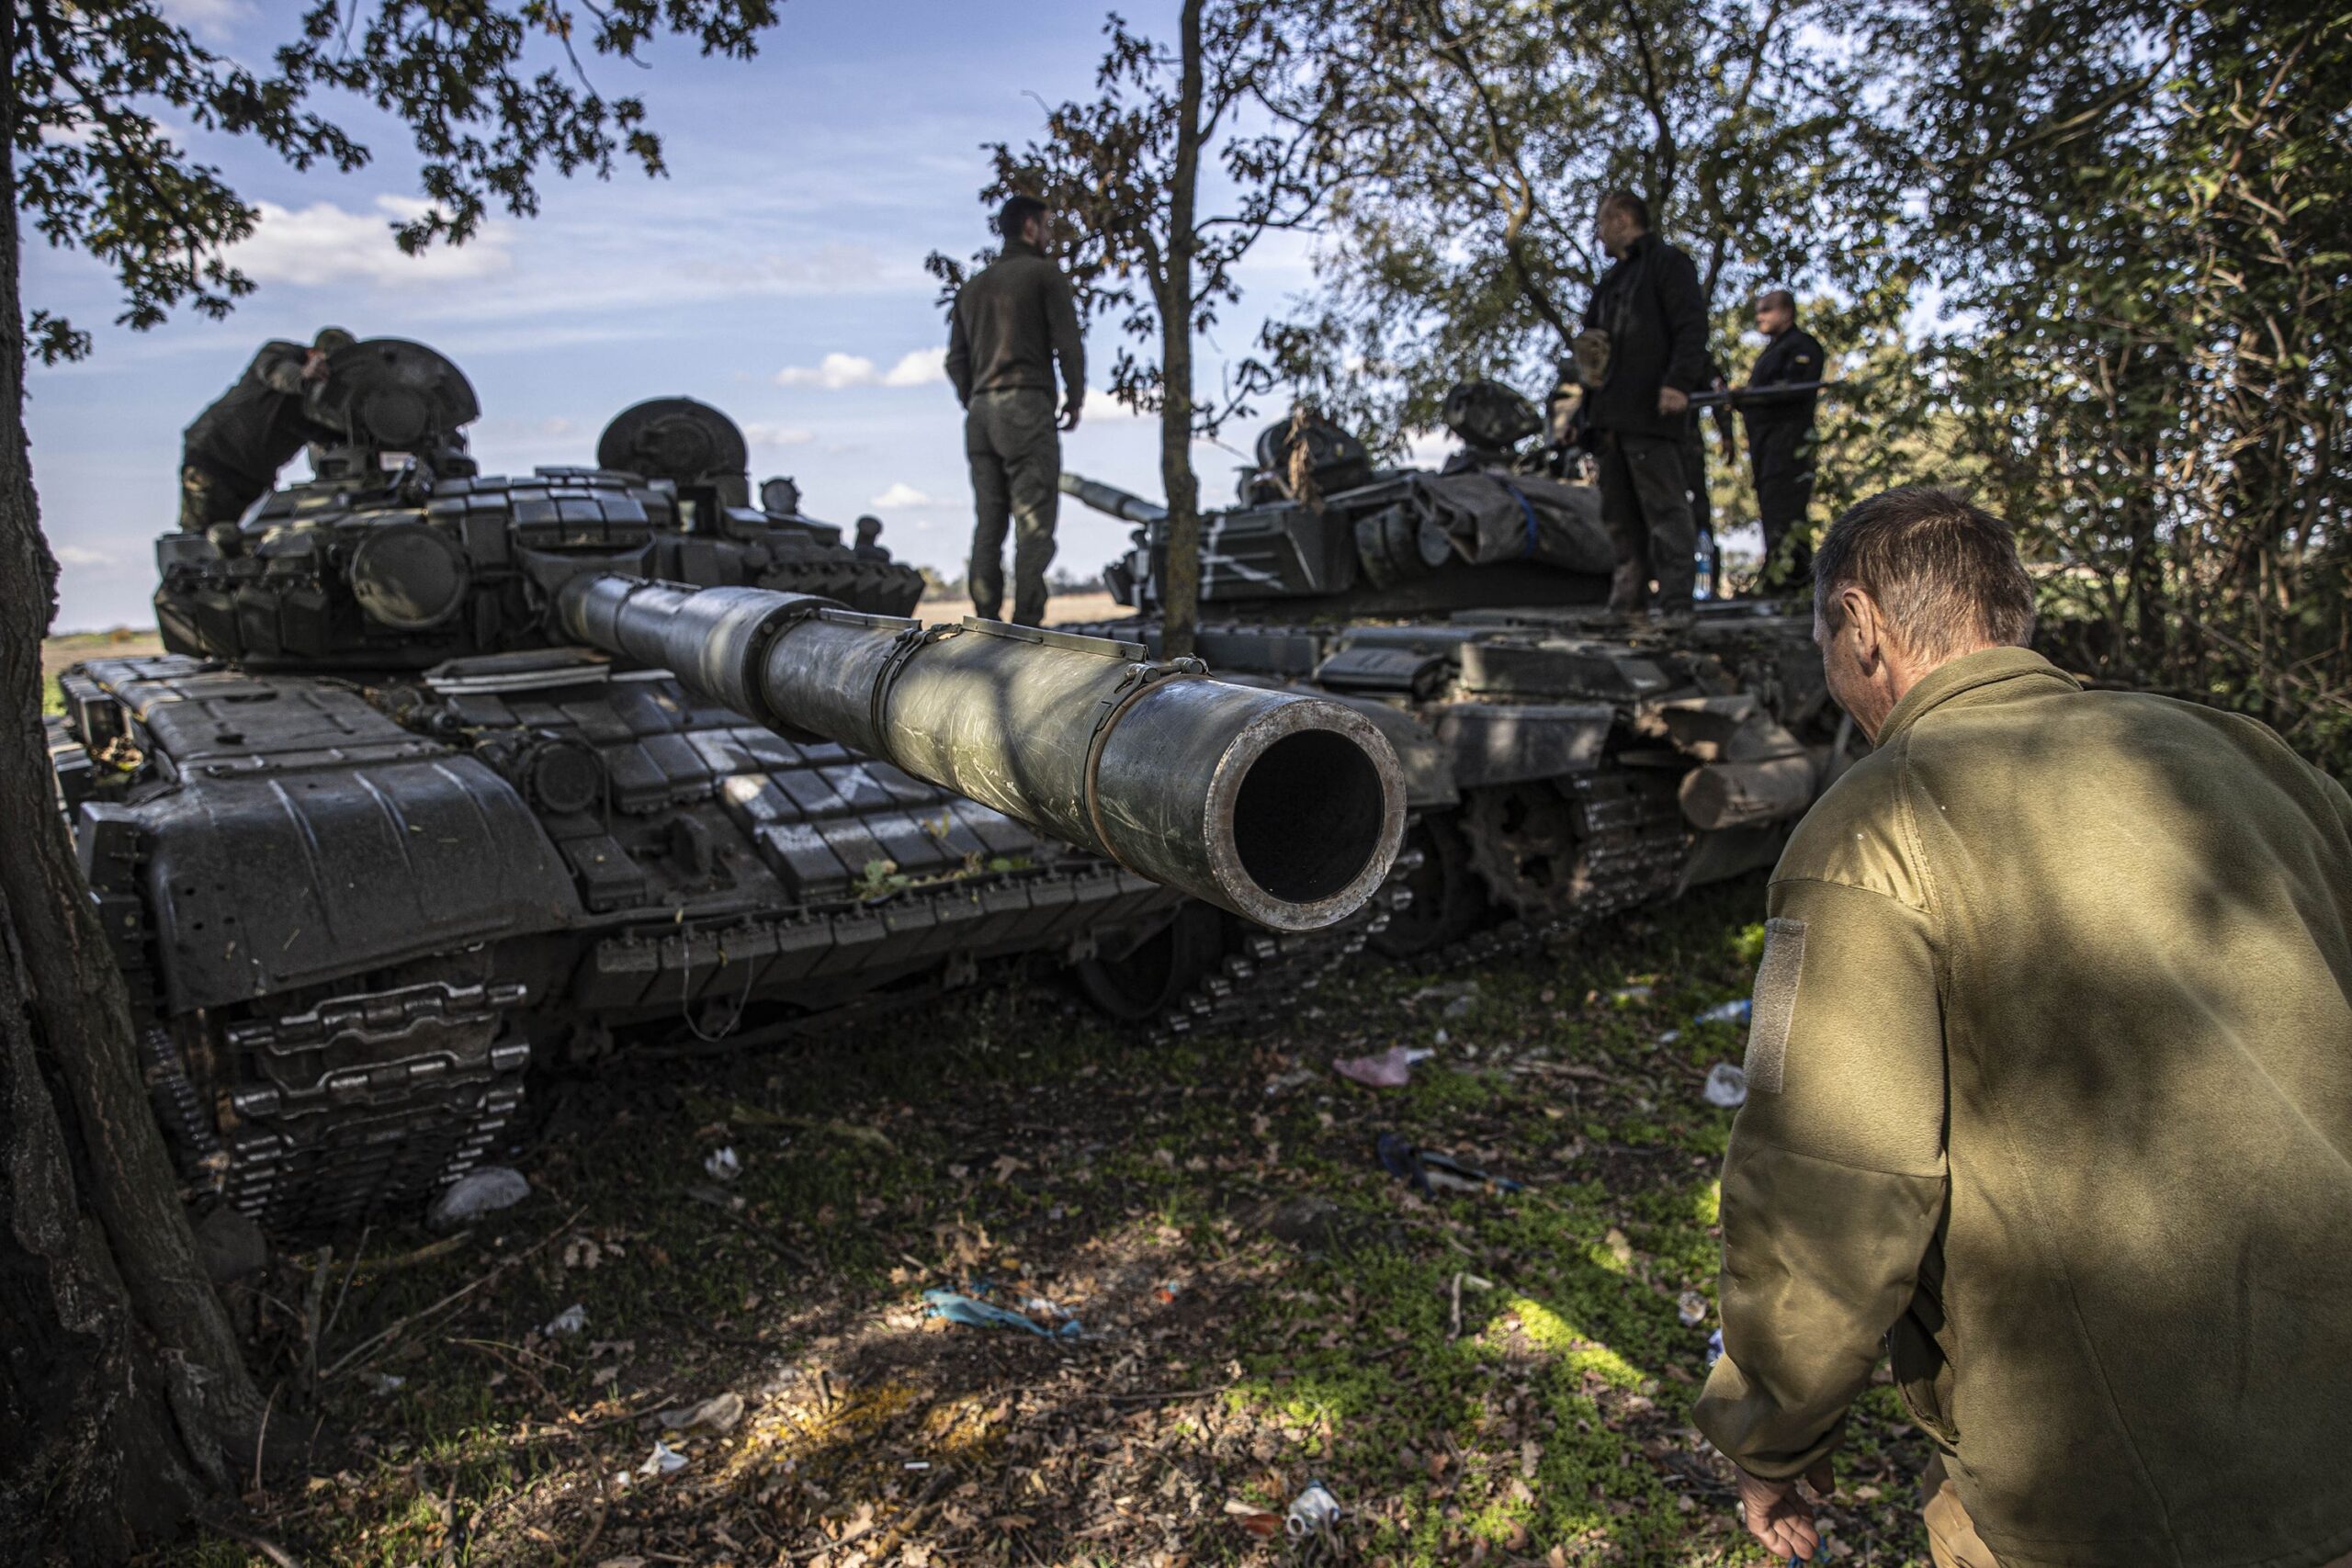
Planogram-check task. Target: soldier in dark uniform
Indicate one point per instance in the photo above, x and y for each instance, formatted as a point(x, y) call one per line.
point(230, 456)
point(1637, 402)
point(869, 540)
point(1012, 323)
point(1779, 438)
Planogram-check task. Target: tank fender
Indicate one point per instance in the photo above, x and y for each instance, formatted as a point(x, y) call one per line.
point(267, 882)
point(1499, 743)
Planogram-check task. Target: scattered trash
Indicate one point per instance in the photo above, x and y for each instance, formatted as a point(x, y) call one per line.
point(570, 1320)
point(483, 1191)
point(1433, 1171)
point(1253, 1518)
point(1692, 1309)
point(916, 1464)
point(1631, 993)
point(1443, 1038)
point(1714, 1348)
point(1669, 1037)
point(1726, 1086)
point(983, 1315)
point(662, 1460)
point(1392, 1068)
point(1461, 1278)
point(720, 1412)
point(1312, 1513)
point(383, 1383)
point(1298, 1078)
point(1459, 1006)
point(722, 1165)
point(1166, 1291)
point(1728, 1012)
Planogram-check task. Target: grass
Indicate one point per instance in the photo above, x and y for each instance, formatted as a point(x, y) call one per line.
point(1262, 1304)
point(57, 652)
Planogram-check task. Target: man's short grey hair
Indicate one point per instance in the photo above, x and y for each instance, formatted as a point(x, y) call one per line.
point(1943, 570)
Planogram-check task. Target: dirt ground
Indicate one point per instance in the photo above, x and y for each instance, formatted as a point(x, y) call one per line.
point(651, 1359)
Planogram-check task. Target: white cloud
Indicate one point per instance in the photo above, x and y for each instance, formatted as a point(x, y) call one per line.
point(323, 243)
point(76, 554)
point(761, 434)
point(837, 370)
point(901, 493)
point(212, 20)
point(556, 425)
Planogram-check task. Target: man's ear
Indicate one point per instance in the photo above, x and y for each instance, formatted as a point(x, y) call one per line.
point(1859, 620)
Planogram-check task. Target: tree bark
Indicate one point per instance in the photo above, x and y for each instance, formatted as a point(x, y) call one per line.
point(121, 1382)
point(1181, 594)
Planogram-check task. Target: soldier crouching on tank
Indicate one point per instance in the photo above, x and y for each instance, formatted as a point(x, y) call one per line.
point(230, 455)
point(1012, 322)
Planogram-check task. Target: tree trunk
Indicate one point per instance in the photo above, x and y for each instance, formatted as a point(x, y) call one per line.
point(123, 1382)
point(1181, 594)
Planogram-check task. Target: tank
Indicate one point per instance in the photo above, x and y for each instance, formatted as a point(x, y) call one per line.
point(449, 779)
point(1563, 764)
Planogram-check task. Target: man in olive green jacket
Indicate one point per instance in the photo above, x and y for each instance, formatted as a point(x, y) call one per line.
point(2050, 1090)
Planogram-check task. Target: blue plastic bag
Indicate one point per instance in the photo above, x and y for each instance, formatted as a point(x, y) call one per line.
point(983, 1315)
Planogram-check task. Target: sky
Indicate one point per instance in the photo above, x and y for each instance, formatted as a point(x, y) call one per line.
point(776, 272)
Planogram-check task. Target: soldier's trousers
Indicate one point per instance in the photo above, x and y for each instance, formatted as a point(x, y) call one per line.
point(1782, 457)
point(1647, 512)
point(1016, 458)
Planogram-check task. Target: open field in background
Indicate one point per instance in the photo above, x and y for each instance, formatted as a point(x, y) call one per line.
point(1480, 1378)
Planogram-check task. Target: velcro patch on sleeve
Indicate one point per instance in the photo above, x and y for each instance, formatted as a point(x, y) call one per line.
point(1776, 1004)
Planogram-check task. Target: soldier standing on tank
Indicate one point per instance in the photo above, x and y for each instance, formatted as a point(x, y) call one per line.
point(1779, 436)
point(1012, 324)
point(230, 455)
point(1654, 318)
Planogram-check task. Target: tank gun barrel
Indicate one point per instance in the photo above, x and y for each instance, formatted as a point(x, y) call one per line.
point(1125, 505)
point(1283, 808)
point(1751, 397)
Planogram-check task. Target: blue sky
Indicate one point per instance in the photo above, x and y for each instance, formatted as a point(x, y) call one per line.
point(778, 272)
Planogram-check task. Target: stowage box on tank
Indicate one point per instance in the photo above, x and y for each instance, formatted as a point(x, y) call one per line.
point(446, 776)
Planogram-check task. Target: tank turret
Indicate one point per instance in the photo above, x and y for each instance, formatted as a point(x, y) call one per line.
point(397, 554)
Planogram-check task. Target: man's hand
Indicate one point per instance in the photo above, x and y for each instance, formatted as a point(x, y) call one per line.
point(1672, 401)
point(1779, 1517)
point(314, 365)
point(1069, 416)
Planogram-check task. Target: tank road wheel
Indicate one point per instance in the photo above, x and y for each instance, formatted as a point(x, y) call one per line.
point(1526, 845)
point(1152, 976)
point(1448, 900)
point(1552, 848)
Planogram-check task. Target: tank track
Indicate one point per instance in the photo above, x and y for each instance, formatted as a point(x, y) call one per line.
point(1634, 850)
point(1263, 972)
